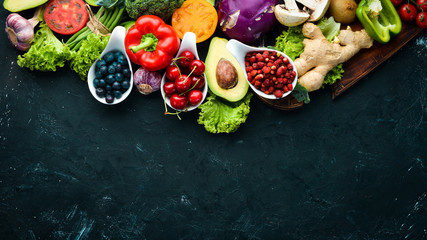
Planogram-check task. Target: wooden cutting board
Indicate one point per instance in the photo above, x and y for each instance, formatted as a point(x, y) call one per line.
point(358, 66)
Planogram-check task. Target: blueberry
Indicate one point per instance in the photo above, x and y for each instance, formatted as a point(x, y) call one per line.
point(108, 87)
point(122, 60)
point(101, 83)
point(119, 68)
point(119, 77)
point(126, 72)
point(108, 57)
point(117, 85)
point(111, 69)
point(95, 82)
point(125, 84)
point(98, 74)
point(100, 63)
point(100, 92)
point(103, 69)
point(117, 94)
point(118, 54)
point(109, 98)
point(110, 78)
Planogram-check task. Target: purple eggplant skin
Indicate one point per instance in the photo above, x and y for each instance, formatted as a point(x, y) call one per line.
point(246, 20)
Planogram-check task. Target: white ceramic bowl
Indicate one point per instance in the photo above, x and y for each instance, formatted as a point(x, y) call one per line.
point(188, 43)
point(239, 51)
point(115, 43)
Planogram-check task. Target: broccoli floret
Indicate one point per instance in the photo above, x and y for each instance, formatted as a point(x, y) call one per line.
point(161, 8)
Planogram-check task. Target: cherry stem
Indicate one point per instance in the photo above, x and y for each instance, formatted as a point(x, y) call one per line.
point(194, 84)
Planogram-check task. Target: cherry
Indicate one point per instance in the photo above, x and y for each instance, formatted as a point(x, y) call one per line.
point(178, 102)
point(185, 58)
point(182, 83)
point(199, 80)
point(197, 66)
point(172, 72)
point(195, 97)
point(169, 88)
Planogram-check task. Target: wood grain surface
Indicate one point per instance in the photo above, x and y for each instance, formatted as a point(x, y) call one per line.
point(358, 66)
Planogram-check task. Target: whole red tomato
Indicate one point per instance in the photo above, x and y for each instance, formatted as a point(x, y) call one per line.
point(422, 4)
point(421, 20)
point(396, 2)
point(408, 12)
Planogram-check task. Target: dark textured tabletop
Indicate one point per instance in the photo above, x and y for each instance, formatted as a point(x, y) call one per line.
point(350, 168)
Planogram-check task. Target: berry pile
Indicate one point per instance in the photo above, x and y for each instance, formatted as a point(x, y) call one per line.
point(185, 81)
point(270, 72)
point(112, 76)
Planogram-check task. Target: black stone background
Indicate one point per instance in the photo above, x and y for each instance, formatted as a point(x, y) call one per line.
point(352, 168)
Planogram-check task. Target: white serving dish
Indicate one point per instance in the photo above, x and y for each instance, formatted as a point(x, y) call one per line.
point(115, 43)
point(188, 43)
point(239, 51)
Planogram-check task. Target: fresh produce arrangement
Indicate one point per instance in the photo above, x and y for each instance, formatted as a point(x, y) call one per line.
point(317, 38)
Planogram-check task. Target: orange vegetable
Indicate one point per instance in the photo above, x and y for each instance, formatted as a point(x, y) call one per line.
point(197, 16)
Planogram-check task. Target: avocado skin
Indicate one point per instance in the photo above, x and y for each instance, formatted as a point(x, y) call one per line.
point(218, 50)
point(21, 5)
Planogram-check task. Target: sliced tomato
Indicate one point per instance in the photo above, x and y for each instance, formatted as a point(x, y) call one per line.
point(66, 16)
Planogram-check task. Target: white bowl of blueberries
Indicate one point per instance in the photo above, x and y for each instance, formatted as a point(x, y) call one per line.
point(110, 79)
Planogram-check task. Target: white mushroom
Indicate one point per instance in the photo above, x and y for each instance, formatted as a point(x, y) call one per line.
point(289, 14)
point(316, 8)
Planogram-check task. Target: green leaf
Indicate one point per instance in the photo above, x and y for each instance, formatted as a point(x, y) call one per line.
point(221, 116)
point(290, 42)
point(87, 54)
point(300, 94)
point(46, 53)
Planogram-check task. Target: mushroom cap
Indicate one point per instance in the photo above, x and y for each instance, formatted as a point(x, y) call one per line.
point(289, 18)
point(316, 8)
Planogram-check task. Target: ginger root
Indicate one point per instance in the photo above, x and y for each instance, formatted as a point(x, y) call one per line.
point(320, 55)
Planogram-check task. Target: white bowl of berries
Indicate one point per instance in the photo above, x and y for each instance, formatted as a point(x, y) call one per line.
point(270, 73)
point(110, 78)
point(183, 85)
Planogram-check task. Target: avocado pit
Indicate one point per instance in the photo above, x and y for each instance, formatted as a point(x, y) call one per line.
point(226, 74)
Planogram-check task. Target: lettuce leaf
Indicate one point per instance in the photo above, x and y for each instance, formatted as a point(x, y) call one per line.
point(220, 116)
point(329, 28)
point(87, 54)
point(334, 75)
point(46, 53)
point(290, 42)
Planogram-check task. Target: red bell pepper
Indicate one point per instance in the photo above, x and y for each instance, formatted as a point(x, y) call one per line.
point(151, 43)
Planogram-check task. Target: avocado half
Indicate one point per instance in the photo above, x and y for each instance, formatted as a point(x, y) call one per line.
point(217, 51)
point(21, 5)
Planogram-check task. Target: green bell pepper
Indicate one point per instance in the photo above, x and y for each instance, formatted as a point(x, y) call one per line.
point(379, 18)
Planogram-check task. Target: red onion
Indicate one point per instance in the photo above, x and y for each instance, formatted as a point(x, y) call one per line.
point(20, 31)
point(147, 81)
point(246, 20)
